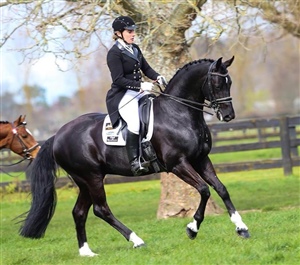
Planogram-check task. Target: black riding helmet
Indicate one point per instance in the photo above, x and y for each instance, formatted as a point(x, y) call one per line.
point(123, 22)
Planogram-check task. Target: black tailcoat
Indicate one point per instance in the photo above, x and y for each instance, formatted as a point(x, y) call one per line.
point(126, 73)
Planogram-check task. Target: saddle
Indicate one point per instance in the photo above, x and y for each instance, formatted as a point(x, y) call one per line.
point(117, 136)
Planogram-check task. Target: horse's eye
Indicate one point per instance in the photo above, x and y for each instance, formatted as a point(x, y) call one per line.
point(24, 135)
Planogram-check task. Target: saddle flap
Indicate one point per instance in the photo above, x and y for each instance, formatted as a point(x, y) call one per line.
point(145, 113)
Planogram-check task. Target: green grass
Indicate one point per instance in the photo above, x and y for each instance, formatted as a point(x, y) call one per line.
point(274, 227)
point(246, 156)
point(250, 186)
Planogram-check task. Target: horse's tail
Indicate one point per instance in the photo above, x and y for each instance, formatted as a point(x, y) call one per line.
point(42, 174)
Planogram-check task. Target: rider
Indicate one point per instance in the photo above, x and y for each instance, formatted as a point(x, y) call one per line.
point(126, 64)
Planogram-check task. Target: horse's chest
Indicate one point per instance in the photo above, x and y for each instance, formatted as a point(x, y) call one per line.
point(204, 142)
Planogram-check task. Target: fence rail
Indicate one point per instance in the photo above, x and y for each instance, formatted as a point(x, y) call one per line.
point(283, 133)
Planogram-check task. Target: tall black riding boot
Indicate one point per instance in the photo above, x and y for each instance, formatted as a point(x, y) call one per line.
point(132, 147)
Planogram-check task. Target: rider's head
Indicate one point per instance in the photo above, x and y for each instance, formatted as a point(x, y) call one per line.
point(121, 24)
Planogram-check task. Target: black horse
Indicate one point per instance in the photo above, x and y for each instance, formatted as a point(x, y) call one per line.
point(181, 139)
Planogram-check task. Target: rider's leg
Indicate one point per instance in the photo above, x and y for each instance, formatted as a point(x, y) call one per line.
point(132, 147)
point(128, 109)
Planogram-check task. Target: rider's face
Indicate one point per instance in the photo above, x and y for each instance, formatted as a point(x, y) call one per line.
point(128, 36)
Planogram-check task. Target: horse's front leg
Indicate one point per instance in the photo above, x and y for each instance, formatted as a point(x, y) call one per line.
point(208, 173)
point(187, 173)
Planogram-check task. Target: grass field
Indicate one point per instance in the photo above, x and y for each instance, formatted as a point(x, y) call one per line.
point(274, 227)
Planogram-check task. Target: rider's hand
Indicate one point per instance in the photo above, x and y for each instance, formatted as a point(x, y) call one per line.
point(146, 86)
point(162, 80)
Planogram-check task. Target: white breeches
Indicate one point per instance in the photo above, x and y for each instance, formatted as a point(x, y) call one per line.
point(129, 109)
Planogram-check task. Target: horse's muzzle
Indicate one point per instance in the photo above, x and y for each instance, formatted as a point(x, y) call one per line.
point(226, 114)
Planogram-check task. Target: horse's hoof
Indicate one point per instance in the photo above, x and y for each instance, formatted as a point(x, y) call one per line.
point(140, 246)
point(243, 233)
point(191, 234)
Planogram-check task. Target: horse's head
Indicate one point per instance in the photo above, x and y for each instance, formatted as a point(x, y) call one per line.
point(23, 143)
point(216, 89)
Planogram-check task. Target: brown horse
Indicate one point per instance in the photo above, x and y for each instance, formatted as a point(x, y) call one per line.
point(16, 137)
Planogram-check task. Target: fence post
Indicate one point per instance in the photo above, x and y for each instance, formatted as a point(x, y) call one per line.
point(285, 146)
point(293, 136)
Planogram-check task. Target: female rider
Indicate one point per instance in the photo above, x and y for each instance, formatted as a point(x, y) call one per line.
point(126, 64)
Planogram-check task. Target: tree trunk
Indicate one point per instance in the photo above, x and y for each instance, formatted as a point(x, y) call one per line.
point(178, 199)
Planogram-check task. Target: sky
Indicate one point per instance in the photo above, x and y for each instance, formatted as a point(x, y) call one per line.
point(44, 73)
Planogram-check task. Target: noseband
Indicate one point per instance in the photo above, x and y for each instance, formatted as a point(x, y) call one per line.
point(26, 152)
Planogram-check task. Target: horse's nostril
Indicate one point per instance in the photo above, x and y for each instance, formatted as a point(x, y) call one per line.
point(228, 118)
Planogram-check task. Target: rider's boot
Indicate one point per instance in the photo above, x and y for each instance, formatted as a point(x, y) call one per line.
point(132, 147)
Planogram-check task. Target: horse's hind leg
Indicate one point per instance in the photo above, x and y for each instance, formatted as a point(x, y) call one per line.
point(80, 213)
point(208, 173)
point(102, 210)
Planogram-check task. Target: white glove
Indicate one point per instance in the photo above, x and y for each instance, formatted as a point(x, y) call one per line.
point(162, 80)
point(146, 86)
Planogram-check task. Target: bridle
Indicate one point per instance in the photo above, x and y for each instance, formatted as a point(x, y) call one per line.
point(213, 103)
point(26, 152)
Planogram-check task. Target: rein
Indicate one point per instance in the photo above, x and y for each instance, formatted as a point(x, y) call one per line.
point(187, 102)
point(7, 173)
point(213, 104)
point(9, 165)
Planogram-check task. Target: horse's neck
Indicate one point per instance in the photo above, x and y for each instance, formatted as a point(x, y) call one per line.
point(187, 88)
point(5, 131)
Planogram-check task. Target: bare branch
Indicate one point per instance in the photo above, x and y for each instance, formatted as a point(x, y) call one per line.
point(15, 2)
point(286, 14)
point(72, 29)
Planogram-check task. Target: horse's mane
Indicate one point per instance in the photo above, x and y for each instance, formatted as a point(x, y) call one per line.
point(4, 122)
point(186, 66)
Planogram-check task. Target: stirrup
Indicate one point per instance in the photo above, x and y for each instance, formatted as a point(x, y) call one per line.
point(138, 168)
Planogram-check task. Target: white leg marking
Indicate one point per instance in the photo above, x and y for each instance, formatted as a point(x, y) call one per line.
point(237, 220)
point(193, 226)
point(85, 251)
point(137, 242)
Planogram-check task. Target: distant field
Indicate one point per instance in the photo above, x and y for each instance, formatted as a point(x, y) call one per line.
point(274, 227)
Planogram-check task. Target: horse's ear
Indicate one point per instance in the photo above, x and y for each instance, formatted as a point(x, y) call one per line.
point(218, 63)
point(21, 119)
point(229, 62)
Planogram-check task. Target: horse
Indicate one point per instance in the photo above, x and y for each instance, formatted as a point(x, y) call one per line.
point(181, 140)
point(16, 137)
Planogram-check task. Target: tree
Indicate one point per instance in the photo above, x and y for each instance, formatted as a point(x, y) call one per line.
point(167, 29)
